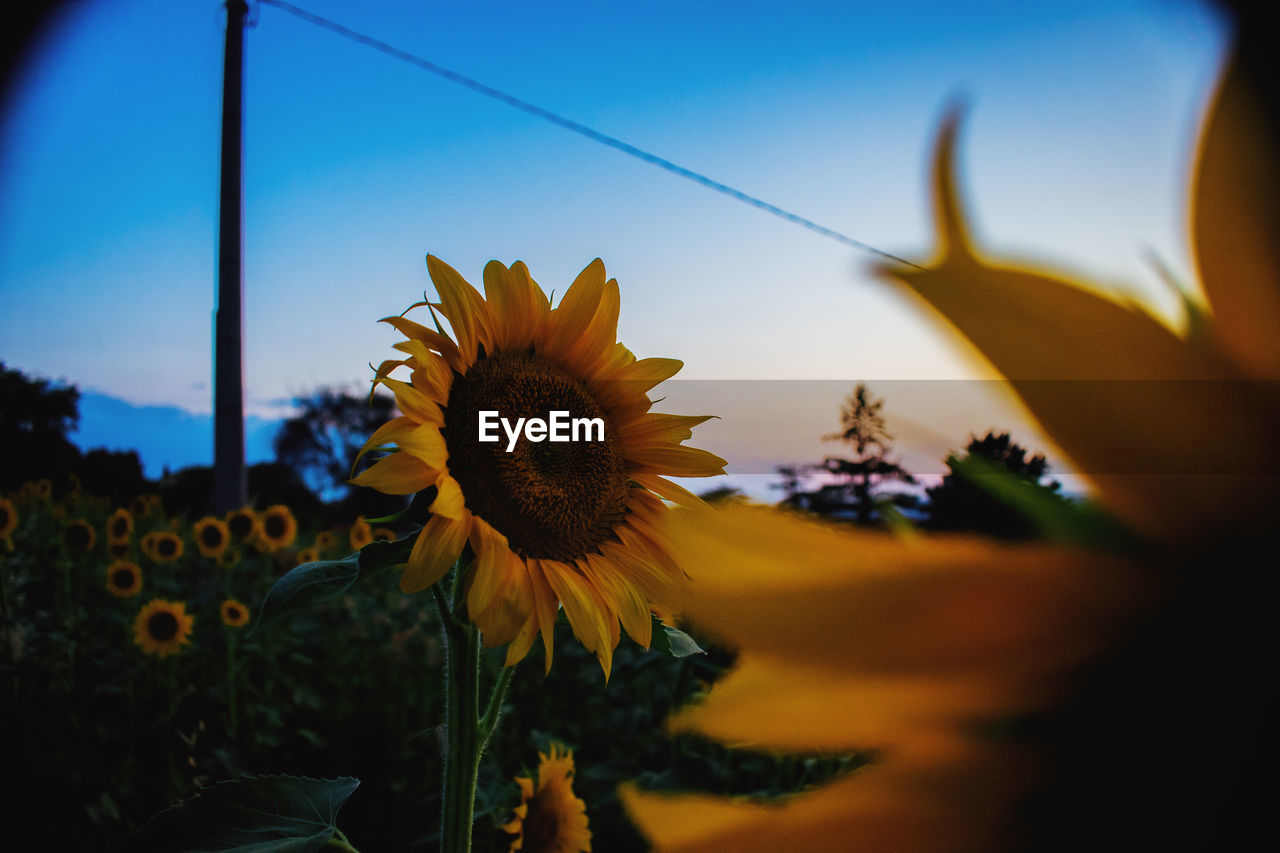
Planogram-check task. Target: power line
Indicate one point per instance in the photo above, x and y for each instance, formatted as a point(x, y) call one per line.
point(581, 129)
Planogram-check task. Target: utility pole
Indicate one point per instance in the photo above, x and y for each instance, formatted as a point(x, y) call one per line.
point(229, 485)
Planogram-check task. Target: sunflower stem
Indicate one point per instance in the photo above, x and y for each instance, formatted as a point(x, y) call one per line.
point(231, 683)
point(489, 721)
point(462, 705)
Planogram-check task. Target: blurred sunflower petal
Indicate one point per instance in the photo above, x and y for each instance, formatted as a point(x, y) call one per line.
point(1234, 222)
point(1107, 396)
point(915, 804)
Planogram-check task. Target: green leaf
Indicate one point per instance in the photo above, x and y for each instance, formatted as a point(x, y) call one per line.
point(377, 556)
point(417, 512)
point(269, 814)
point(1056, 517)
point(327, 579)
point(673, 641)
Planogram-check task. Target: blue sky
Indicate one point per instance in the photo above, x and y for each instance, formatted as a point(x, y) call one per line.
point(1076, 151)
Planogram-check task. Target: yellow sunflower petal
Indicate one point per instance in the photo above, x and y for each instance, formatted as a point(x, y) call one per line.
point(595, 345)
point(647, 372)
point(397, 474)
point(624, 390)
point(422, 442)
point(1107, 395)
point(677, 460)
point(1234, 220)
point(655, 575)
point(665, 488)
point(619, 356)
point(570, 320)
point(434, 551)
point(911, 805)
point(431, 374)
point(435, 378)
point(522, 642)
point(659, 428)
point(490, 575)
point(463, 306)
point(623, 596)
point(449, 501)
point(581, 605)
point(544, 606)
point(773, 583)
point(541, 304)
point(785, 705)
point(517, 305)
point(413, 402)
point(433, 339)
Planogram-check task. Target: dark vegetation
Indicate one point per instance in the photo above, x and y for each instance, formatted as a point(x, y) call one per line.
point(103, 736)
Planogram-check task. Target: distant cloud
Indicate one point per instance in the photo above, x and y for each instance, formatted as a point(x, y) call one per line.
point(164, 436)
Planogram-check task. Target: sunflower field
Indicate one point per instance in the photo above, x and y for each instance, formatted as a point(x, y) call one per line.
point(449, 623)
point(137, 674)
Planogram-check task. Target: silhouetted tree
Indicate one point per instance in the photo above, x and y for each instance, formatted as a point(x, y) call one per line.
point(722, 495)
point(792, 477)
point(322, 441)
point(35, 417)
point(959, 503)
point(865, 431)
point(114, 474)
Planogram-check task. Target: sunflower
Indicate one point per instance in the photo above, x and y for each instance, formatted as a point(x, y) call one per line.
point(361, 534)
point(44, 488)
point(242, 523)
point(8, 517)
point(162, 627)
point(383, 534)
point(277, 528)
point(229, 559)
point(143, 505)
point(325, 540)
point(850, 641)
point(119, 526)
point(234, 614)
point(308, 555)
point(573, 521)
point(550, 819)
point(79, 535)
point(211, 536)
point(163, 546)
point(124, 579)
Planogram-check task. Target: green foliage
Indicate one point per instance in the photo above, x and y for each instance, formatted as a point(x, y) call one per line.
point(1048, 514)
point(344, 681)
point(998, 488)
point(321, 442)
point(271, 814)
point(325, 580)
point(673, 641)
point(35, 417)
